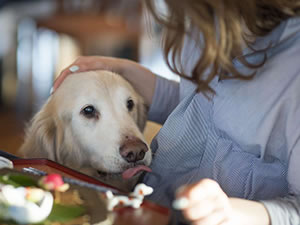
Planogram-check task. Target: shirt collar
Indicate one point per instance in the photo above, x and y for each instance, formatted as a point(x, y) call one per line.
point(263, 46)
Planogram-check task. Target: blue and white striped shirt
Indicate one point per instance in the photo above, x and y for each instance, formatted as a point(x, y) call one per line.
point(247, 137)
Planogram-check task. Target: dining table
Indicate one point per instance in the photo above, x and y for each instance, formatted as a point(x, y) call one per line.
point(149, 212)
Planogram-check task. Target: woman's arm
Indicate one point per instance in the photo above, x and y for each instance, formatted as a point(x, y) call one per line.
point(247, 212)
point(165, 99)
point(206, 203)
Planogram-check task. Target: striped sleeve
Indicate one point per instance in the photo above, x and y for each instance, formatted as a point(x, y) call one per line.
point(165, 99)
point(284, 211)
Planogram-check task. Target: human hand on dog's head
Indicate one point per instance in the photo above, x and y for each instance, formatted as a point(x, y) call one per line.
point(88, 63)
point(142, 79)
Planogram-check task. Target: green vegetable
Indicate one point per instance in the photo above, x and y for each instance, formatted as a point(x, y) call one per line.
point(59, 213)
point(64, 213)
point(18, 180)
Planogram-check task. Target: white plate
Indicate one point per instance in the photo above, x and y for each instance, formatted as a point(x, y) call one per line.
point(5, 163)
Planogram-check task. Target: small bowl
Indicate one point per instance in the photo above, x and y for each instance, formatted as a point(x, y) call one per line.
point(5, 163)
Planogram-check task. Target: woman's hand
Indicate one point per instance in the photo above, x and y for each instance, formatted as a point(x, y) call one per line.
point(88, 63)
point(206, 203)
point(142, 79)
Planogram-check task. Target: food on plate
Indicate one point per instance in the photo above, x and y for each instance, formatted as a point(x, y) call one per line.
point(29, 199)
point(24, 204)
point(53, 182)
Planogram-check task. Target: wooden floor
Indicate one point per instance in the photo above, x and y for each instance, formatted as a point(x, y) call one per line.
point(11, 131)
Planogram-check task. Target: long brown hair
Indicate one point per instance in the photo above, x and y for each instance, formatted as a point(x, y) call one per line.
point(220, 23)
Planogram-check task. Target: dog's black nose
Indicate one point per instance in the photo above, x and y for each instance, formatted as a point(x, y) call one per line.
point(133, 149)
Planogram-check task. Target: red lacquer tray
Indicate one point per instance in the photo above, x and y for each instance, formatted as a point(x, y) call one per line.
point(148, 214)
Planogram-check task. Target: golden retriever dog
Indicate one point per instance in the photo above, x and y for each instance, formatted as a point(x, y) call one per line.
point(93, 123)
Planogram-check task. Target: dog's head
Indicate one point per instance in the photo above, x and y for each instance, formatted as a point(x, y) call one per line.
point(92, 123)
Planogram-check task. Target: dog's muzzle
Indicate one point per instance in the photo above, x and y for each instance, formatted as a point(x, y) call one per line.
point(133, 149)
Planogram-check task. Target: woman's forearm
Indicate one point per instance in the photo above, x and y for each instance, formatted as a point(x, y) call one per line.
point(247, 212)
point(142, 79)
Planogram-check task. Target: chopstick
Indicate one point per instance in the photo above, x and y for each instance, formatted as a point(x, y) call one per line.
point(72, 181)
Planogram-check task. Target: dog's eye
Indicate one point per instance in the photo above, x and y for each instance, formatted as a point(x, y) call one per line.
point(89, 111)
point(130, 104)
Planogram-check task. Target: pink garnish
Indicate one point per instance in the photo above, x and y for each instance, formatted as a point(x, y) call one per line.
point(53, 182)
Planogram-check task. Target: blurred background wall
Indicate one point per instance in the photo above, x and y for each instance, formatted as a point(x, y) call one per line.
point(41, 37)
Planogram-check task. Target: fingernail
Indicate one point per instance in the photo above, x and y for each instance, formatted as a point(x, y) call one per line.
point(51, 91)
point(180, 203)
point(74, 68)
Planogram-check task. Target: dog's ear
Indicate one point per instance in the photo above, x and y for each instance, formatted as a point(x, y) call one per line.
point(142, 111)
point(42, 136)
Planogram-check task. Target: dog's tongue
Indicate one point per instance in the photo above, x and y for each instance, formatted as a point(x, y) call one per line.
point(127, 174)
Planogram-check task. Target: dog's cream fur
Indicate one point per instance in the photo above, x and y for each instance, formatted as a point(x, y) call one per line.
point(60, 132)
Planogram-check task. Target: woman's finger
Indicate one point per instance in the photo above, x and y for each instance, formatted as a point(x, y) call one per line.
point(66, 72)
point(81, 64)
point(77, 66)
point(207, 206)
point(197, 192)
point(199, 211)
point(88, 63)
